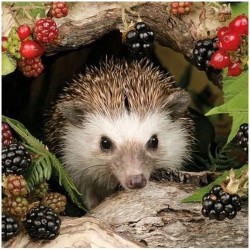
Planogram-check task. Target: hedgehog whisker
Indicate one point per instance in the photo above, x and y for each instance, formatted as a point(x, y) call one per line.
point(91, 166)
point(99, 177)
point(109, 181)
point(162, 161)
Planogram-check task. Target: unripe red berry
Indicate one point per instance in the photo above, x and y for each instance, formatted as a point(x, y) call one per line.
point(174, 11)
point(4, 43)
point(23, 31)
point(31, 49)
point(221, 31)
point(59, 9)
point(230, 41)
point(234, 69)
point(220, 59)
point(240, 25)
point(31, 67)
point(46, 30)
point(181, 10)
point(187, 4)
point(174, 5)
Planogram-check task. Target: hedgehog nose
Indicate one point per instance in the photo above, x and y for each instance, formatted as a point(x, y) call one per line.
point(136, 181)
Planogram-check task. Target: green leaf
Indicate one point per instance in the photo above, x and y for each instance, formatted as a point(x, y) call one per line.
point(8, 64)
point(197, 196)
point(239, 8)
point(235, 85)
point(43, 166)
point(235, 102)
point(30, 9)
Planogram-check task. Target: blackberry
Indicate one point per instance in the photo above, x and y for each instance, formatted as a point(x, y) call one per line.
point(15, 159)
point(203, 51)
point(7, 137)
point(140, 40)
point(242, 137)
point(218, 205)
point(10, 227)
point(225, 198)
point(42, 223)
point(235, 200)
point(216, 189)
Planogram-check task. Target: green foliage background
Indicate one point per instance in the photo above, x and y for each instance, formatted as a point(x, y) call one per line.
point(235, 91)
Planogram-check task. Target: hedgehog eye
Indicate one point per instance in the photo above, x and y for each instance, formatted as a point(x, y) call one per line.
point(106, 144)
point(152, 142)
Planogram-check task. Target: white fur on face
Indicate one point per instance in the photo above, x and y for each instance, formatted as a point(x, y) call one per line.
point(82, 144)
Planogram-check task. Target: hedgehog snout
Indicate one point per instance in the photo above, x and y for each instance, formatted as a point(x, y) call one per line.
point(132, 167)
point(136, 181)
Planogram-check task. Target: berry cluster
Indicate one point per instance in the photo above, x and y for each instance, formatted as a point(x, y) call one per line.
point(140, 40)
point(242, 137)
point(233, 46)
point(27, 44)
point(219, 205)
point(59, 9)
point(45, 30)
point(10, 227)
point(31, 67)
point(55, 201)
point(15, 159)
point(180, 8)
point(43, 222)
point(203, 51)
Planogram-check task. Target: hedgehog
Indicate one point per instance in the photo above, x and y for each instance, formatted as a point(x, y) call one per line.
point(116, 125)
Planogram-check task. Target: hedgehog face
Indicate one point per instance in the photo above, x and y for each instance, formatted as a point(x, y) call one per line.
point(117, 124)
point(128, 147)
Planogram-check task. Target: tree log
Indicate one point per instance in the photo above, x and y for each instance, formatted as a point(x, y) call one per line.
point(152, 217)
point(88, 21)
point(156, 217)
point(87, 232)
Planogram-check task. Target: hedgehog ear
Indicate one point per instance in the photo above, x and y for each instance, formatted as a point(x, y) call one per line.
point(73, 112)
point(177, 104)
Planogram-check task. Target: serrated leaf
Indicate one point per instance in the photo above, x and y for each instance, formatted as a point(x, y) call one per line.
point(8, 64)
point(235, 102)
point(197, 196)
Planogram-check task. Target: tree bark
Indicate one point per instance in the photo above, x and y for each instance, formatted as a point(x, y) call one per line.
point(156, 217)
point(153, 216)
point(89, 21)
point(87, 232)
